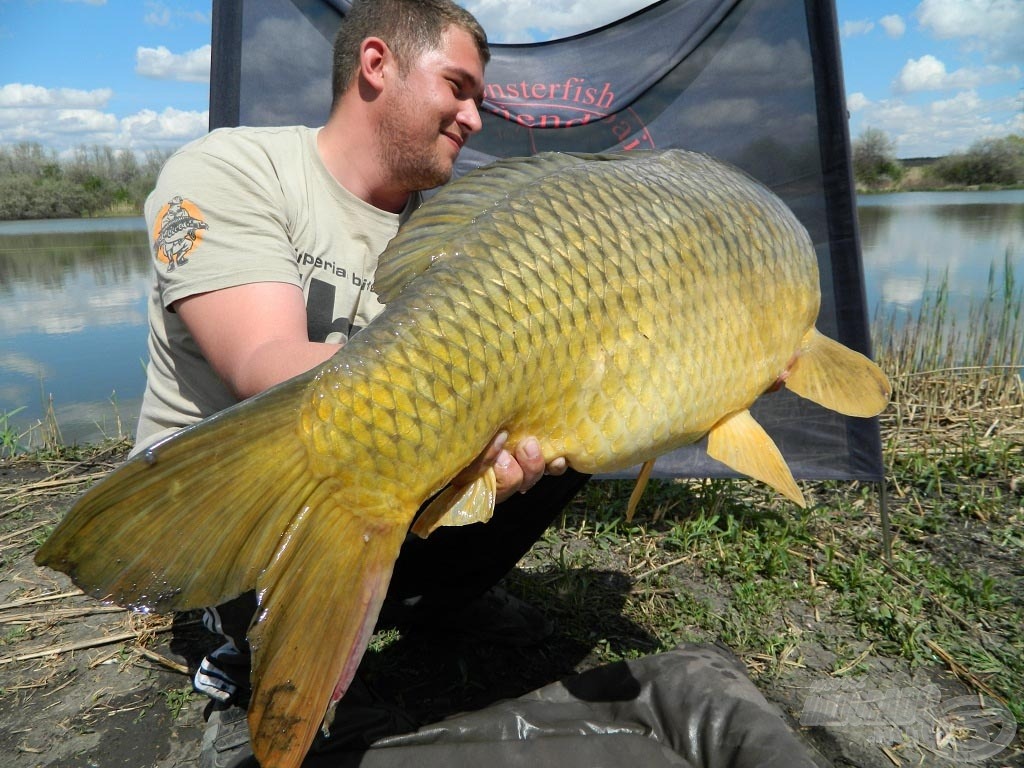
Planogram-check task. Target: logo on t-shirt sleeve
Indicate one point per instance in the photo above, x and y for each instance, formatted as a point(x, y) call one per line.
point(178, 231)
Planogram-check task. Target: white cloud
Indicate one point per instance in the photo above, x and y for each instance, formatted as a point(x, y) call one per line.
point(964, 104)
point(25, 96)
point(159, 63)
point(992, 27)
point(157, 15)
point(924, 74)
point(855, 102)
point(172, 126)
point(929, 74)
point(856, 28)
point(940, 127)
point(84, 121)
point(517, 21)
point(63, 118)
point(893, 25)
point(160, 15)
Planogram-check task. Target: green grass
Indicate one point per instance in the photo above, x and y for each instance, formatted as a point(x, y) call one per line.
point(177, 700)
point(43, 439)
point(10, 437)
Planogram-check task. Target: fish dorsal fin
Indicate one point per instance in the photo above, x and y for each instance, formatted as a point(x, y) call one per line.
point(432, 230)
point(741, 444)
point(836, 377)
point(459, 505)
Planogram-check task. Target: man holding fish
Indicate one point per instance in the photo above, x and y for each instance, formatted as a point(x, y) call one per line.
point(526, 297)
point(279, 275)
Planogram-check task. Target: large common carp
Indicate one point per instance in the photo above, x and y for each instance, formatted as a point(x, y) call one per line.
point(616, 306)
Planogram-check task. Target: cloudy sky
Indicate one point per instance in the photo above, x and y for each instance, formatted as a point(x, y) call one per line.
point(934, 75)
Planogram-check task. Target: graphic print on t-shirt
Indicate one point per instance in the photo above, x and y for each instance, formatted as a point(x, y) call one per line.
point(179, 230)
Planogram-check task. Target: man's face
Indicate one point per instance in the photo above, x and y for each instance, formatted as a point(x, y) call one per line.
point(432, 111)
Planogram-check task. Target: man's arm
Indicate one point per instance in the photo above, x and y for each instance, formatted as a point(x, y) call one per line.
point(254, 336)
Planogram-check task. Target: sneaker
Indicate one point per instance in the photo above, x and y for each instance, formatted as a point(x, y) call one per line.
point(226, 739)
point(223, 676)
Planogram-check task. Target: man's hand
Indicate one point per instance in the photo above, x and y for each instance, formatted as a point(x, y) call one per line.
point(518, 471)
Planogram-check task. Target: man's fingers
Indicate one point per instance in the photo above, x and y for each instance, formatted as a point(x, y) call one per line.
point(518, 471)
point(508, 474)
point(558, 466)
point(531, 461)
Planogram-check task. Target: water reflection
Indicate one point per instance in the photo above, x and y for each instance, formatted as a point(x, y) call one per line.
point(73, 297)
point(911, 243)
point(73, 324)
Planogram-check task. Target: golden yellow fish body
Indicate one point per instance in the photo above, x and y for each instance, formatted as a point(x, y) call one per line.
point(614, 306)
point(617, 306)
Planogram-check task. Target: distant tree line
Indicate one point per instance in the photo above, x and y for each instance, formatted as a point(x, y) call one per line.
point(95, 181)
point(989, 162)
point(99, 181)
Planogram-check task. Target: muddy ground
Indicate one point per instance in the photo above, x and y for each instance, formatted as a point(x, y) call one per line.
point(87, 685)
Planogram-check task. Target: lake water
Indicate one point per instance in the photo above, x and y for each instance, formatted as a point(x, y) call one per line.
point(73, 296)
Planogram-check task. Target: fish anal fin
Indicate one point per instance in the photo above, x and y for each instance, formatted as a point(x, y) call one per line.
point(838, 378)
point(638, 490)
point(459, 505)
point(740, 443)
point(318, 603)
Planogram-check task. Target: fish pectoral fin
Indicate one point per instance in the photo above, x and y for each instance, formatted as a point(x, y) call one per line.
point(318, 603)
point(740, 443)
point(459, 505)
point(638, 489)
point(838, 378)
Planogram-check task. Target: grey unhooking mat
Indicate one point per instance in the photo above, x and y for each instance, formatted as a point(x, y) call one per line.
point(692, 707)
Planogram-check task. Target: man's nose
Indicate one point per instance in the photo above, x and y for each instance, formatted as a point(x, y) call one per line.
point(469, 116)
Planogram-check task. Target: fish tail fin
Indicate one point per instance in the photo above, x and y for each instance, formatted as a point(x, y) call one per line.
point(229, 486)
point(836, 377)
point(740, 443)
point(318, 604)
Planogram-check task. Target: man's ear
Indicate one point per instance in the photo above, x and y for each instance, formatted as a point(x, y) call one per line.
point(374, 57)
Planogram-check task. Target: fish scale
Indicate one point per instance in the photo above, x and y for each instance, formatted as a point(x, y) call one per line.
point(614, 306)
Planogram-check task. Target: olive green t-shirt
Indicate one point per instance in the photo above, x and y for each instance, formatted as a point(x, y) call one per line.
point(248, 205)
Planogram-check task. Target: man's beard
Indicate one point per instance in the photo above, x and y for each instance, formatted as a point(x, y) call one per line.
point(414, 164)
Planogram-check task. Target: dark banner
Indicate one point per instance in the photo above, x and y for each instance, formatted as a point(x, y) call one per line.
point(757, 83)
